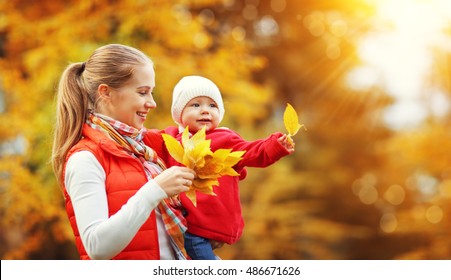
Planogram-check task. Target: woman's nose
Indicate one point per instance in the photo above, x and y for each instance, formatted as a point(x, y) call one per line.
point(150, 104)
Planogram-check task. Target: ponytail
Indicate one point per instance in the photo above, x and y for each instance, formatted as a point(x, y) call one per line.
point(71, 111)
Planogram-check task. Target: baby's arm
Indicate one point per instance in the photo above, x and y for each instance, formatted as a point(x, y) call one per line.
point(259, 153)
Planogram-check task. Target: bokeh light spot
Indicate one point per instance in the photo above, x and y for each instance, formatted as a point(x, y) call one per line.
point(315, 23)
point(388, 223)
point(434, 214)
point(207, 17)
point(201, 40)
point(395, 194)
point(238, 33)
point(182, 14)
point(339, 28)
point(266, 27)
point(278, 5)
point(368, 195)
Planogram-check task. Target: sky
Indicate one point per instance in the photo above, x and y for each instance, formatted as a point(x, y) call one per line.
point(399, 56)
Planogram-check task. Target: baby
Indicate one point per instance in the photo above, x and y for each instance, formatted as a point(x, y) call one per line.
point(197, 102)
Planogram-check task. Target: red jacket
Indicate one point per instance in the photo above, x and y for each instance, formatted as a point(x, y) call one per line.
point(125, 175)
point(219, 217)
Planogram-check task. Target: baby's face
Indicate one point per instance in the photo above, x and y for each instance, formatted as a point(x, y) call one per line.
point(199, 112)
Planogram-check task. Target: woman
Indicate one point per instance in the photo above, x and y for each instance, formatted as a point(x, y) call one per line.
point(118, 192)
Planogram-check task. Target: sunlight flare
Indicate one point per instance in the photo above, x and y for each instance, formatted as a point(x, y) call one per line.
point(399, 56)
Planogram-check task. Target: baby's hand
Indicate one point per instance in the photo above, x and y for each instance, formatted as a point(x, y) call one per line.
point(216, 244)
point(284, 141)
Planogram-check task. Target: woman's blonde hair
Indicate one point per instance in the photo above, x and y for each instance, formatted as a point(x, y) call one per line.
point(112, 65)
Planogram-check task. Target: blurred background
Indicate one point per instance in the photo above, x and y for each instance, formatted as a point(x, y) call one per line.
point(370, 79)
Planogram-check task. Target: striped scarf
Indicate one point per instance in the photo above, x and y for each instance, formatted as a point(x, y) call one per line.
point(130, 139)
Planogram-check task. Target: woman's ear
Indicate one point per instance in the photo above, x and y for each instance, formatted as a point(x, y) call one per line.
point(104, 91)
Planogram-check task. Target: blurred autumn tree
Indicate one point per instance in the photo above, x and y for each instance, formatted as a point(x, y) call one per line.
point(354, 189)
point(313, 212)
point(39, 39)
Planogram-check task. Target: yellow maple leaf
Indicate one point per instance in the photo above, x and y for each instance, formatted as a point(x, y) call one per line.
point(195, 153)
point(174, 147)
point(291, 121)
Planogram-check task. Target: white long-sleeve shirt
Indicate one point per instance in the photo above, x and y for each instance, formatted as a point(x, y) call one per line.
point(104, 237)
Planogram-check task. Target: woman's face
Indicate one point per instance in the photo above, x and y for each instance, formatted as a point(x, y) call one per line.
point(132, 102)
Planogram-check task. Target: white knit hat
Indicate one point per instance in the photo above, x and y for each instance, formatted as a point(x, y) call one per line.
point(190, 87)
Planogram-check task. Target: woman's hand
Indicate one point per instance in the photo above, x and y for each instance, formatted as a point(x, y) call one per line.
point(175, 180)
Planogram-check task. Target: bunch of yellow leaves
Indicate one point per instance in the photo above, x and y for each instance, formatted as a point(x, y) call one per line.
point(291, 121)
point(195, 153)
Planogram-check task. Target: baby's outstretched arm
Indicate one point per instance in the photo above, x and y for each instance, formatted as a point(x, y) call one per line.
point(289, 145)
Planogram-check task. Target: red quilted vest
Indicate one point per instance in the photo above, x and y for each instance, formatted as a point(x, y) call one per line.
point(124, 177)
